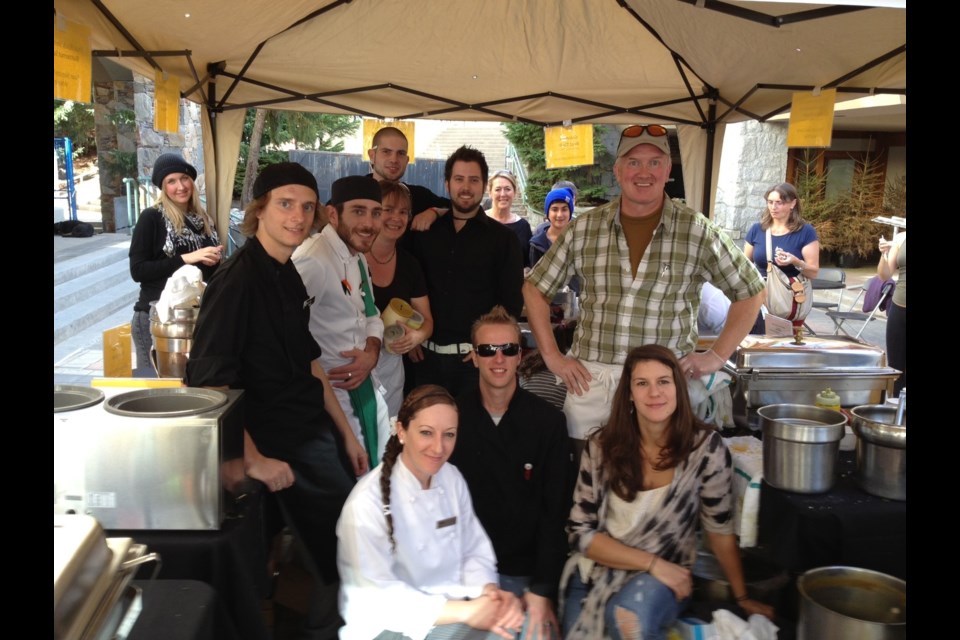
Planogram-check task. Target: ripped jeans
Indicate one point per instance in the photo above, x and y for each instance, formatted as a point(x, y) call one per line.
point(644, 608)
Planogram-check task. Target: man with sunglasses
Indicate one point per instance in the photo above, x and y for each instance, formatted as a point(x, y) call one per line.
point(513, 451)
point(642, 259)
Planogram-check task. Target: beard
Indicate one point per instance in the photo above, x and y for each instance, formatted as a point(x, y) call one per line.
point(473, 208)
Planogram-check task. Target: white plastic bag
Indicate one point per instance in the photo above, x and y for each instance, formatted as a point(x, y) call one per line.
point(183, 289)
point(729, 626)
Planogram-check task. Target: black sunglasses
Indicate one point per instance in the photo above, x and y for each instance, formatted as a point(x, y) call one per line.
point(490, 350)
point(636, 130)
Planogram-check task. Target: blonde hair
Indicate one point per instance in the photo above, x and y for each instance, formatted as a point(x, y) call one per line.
point(176, 215)
point(506, 175)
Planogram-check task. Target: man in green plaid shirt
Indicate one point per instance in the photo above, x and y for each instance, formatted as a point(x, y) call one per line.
point(642, 259)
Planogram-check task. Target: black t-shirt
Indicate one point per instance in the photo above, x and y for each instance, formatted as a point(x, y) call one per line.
point(422, 198)
point(521, 229)
point(468, 273)
point(408, 282)
point(252, 333)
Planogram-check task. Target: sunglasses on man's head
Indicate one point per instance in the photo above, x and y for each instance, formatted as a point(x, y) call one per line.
point(636, 130)
point(490, 350)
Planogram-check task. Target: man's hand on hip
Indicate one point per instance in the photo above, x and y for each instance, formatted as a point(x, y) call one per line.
point(571, 371)
point(695, 365)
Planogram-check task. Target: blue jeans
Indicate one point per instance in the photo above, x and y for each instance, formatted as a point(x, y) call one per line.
point(653, 603)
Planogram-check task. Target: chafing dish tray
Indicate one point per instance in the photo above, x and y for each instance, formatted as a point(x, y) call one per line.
point(776, 371)
point(90, 576)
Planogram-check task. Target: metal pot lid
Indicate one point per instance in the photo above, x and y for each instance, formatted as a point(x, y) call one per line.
point(875, 423)
point(165, 403)
point(801, 423)
point(70, 397)
point(815, 353)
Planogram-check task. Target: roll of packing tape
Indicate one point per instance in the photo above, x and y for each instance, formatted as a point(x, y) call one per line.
point(391, 334)
point(398, 311)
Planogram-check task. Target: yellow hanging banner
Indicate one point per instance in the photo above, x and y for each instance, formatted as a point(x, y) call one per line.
point(372, 125)
point(568, 146)
point(72, 78)
point(811, 119)
point(166, 102)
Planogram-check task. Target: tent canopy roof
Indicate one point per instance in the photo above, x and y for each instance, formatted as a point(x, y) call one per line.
point(542, 61)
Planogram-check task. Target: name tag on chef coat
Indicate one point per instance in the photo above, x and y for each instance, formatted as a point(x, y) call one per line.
point(447, 522)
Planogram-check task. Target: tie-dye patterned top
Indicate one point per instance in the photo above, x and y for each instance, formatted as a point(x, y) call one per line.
point(701, 491)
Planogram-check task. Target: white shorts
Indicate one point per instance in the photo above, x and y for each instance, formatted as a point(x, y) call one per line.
point(592, 408)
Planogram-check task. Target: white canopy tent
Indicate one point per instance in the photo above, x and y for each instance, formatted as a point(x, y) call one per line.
point(698, 64)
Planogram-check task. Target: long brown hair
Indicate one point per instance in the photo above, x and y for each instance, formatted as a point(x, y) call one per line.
point(620, 439)
point(787, 193)
point(416, 401)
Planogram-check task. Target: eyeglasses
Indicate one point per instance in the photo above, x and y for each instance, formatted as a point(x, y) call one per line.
point(636, 130)
point(490, 350)
point(503, 172)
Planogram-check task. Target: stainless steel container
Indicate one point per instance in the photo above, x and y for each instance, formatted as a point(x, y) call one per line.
point(774, 371)
point(150, 458)
point(881, 451)
point(800, 446)
point(173, 340)
point(71, 397)
point(851, 603)
point(91, 574)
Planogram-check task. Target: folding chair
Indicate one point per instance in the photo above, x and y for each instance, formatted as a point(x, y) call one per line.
point(829, 279)
point(840, 317)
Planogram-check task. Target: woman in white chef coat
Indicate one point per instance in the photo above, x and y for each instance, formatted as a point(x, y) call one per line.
point(414, 560)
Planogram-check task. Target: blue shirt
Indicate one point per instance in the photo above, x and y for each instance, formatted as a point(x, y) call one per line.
point(793, 242)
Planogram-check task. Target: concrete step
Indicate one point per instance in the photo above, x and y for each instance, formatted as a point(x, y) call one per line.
point(88, 259)
point(487, 139)
point(91, 338)
point(89, 312)
point(82, 287)
point(79, 359)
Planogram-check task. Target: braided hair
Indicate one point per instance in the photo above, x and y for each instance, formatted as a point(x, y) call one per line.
point(420, 398)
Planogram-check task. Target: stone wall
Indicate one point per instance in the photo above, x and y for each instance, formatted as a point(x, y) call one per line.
point(187, 141)
point(137, 136)
point(754, 158)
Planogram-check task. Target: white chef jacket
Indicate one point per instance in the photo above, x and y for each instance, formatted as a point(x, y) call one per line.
point(437, 558)
point(337, 319)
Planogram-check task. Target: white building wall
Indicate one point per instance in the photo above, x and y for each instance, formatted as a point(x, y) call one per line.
point(753, 159)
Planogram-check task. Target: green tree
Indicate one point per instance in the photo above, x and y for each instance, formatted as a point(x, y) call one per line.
point(315, 131)
point(74, 120)
point(528, 140)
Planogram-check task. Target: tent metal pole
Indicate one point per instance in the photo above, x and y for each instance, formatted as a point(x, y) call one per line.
point(711, 128)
